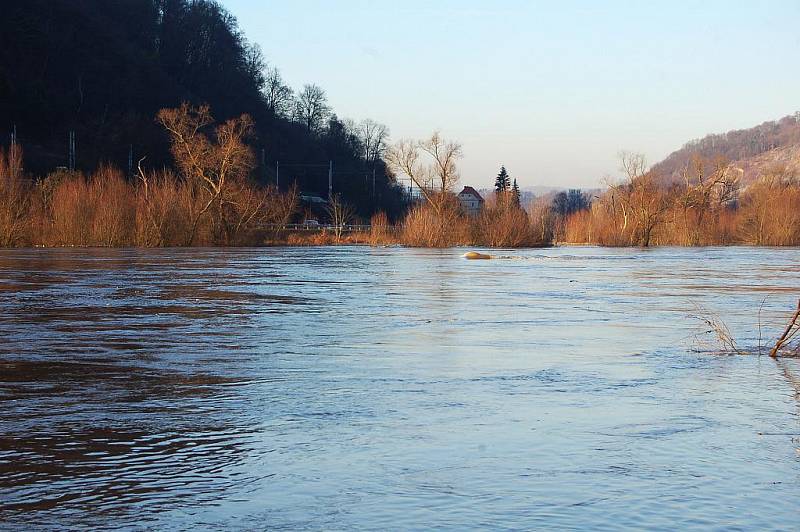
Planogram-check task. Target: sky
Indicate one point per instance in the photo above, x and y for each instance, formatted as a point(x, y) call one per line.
point(552, 90)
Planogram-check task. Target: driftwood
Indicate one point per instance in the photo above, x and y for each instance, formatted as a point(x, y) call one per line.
point(791, 330)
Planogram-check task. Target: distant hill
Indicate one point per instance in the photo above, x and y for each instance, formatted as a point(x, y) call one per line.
point(786, 158)
point(753, 150)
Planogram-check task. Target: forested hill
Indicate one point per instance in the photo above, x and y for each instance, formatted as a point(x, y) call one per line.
point(104, 68)
point(753, 149)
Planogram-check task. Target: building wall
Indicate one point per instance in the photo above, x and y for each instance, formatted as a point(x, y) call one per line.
point(470, 204)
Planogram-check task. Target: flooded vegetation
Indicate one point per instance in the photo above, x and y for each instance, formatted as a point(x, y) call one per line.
point(213, 200)
point(344, 387)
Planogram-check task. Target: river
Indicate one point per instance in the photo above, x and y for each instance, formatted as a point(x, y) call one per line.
point(388, 388)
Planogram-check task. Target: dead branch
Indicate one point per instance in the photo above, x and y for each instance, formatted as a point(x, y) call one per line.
point(728, 344)
point(788, 333)
point(760, 335)
point(716, 326)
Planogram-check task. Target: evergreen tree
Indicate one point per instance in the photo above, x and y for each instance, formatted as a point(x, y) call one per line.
point(515, 194)
point(503, 182)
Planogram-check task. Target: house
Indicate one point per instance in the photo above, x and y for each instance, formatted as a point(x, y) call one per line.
point(471, 201)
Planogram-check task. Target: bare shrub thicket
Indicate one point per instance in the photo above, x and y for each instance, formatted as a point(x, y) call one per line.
point(15, 199)
point(709, 207)
point(380, 231)
point(211, 201)
point(499, 224)
point(503, 223)
point(443, 225)
point(769, 213)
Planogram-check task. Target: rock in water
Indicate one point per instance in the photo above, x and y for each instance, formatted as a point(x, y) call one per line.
point(473, 255)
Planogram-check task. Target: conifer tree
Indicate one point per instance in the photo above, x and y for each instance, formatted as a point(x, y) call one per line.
point(503, 182)
point(515, 194)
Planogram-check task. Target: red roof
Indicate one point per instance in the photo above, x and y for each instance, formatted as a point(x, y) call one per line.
point(470, 190)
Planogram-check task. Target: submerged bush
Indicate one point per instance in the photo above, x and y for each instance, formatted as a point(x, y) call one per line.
point(107, 210)
point(423, 226)
point(506, 226)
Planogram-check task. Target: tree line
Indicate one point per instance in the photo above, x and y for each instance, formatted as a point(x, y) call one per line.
point(707, 205)
point(211, 198)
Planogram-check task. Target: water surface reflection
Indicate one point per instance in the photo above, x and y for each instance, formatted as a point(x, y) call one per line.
point(392, 388)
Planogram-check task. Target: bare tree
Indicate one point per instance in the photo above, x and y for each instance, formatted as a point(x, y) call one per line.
point(153, 212)
point(282, 206)
point(640, 197)
point(245, 205)
point(211, 165)
point(255, 64)
point(444, 154)
point(632, 164)
point(435, 179)
point(311, 107)
point(404, 158)
point(277, 95)
point(705, 193)
point(373, 137)
point(340, 214)
point(542, 219)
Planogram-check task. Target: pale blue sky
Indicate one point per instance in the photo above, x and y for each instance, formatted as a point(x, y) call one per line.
point(553, 90)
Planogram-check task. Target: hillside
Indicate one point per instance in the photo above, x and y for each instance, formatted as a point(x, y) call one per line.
point(103, 69)
point(785, 159)
point(753, 150)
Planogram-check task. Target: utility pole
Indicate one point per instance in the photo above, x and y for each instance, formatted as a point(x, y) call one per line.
point(277, 174)
point(373, 181)
point(264, 163)
point(330, 179)
point(71, 140)
point(12, 154)
point(130, 160)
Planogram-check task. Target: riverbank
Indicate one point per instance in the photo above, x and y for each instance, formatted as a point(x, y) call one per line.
point(68, 209)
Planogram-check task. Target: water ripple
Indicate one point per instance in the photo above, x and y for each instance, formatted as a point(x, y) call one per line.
point(339, 388)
